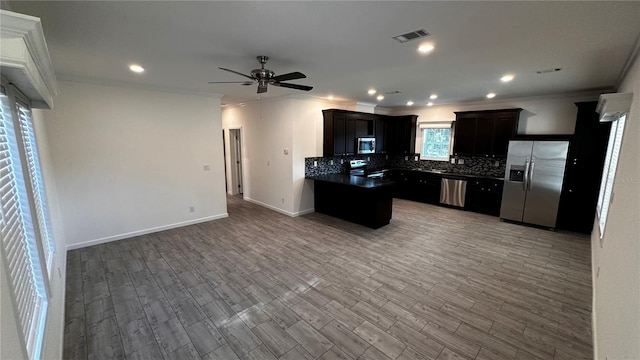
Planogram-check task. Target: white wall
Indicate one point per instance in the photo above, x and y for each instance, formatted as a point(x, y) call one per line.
point(616, 291)
point(268, 128)
point(130, 161)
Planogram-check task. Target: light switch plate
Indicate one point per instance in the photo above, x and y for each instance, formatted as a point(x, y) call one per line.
point(461, 161)
point(315, 163)
point(286, 151)
point(453, 161)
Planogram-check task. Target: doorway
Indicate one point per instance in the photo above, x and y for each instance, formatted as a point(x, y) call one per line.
point(235, 161)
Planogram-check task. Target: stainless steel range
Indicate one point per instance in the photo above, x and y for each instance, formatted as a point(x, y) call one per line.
point(359, 168)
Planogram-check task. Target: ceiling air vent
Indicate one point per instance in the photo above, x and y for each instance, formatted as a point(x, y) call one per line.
point(412, 35)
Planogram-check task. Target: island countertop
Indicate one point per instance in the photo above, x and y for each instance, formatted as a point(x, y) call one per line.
point(357, 181)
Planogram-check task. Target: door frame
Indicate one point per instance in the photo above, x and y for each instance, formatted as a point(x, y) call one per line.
point(236, 162)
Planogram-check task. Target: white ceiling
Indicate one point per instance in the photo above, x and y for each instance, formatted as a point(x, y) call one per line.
point(345, 48)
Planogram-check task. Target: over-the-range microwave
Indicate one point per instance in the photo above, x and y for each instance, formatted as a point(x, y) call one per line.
point(366, 145)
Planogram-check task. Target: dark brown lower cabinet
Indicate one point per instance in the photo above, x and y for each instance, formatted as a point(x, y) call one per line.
point(484, 196)
point(371, 207)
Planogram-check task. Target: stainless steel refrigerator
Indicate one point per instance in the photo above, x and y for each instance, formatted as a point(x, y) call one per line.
point(533, 181)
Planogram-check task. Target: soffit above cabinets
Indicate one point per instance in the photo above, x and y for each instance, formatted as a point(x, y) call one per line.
point(24, 59)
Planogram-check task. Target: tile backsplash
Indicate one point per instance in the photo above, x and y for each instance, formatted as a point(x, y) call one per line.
point(472, 165)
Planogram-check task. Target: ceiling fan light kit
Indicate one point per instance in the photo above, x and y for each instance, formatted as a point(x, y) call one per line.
point(264, 77)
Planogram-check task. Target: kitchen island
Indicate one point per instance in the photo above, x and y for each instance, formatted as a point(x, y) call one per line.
point(361, 200)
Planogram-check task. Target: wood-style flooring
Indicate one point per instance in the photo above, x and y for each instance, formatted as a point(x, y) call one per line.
point(436, 283)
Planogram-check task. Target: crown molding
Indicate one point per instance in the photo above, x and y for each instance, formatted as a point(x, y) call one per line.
point(25, 60)
point(633, 57)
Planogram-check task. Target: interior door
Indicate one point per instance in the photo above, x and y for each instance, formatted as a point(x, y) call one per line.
point(514, 194)
point(546, 175)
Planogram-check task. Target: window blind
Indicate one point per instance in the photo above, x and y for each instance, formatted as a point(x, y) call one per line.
point(19, 245)
point(37, 183)
point(609, 171)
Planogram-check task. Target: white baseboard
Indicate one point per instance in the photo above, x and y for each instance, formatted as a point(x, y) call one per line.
point(144, 231)
point(281, 211)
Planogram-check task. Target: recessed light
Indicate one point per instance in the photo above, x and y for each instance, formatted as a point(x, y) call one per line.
point(136, 68)
point(433, 96)
point(379, 97)
point(506, 78)
point(429, 103)
point(372, 91)
point(330, 97)
point(426, 48)
point(409, 103)
point(491, 95)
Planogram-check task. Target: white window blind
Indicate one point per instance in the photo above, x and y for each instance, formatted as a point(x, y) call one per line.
point(19, 244)
point(436, 140)
point(609, 171)
point(37, 184)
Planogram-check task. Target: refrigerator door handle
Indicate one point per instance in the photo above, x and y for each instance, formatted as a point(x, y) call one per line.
point(525, 183)
point(531, 173)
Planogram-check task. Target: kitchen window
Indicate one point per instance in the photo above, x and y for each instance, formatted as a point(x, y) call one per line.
point(609, 171)
point(436, 140)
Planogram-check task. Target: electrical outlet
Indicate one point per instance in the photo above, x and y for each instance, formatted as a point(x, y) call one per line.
point(368, 158)
point(315, 163)
point(330, 162)
point(406, 158)
point(461, 161)
point(283, 200)
point(453, 161)
point(496, 164)
point(341, 161)
point(192, 208)
point(286, 151)
point(206, 167)
point(416, 158)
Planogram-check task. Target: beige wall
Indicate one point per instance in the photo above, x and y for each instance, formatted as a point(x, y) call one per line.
point(616, 258)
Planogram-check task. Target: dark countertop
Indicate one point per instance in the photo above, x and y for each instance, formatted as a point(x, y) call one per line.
point(453, 174)
point(357, 181)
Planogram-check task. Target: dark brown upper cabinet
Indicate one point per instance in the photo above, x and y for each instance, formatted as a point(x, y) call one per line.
point(485, 133)
point(393, 134)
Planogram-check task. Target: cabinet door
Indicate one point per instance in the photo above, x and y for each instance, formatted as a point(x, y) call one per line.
point(339, 135)
point(464, 138)
point(483, 136)
point(350, 137)
point(504, 129)
point(380, 132)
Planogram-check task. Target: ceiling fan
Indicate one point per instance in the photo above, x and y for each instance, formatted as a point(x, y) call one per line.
point(264, 77)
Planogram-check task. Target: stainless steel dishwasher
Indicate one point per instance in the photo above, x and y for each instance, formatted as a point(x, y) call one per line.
point(453, 191)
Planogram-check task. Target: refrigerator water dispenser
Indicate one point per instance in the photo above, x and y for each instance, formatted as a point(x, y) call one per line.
point(516, 173)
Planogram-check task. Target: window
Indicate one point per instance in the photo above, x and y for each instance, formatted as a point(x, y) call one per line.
point(609, 171)
point(436, 141)
point(21, 244)
point(36, 181)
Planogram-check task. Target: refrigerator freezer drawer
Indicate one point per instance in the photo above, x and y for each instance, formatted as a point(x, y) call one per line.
point(453, 192)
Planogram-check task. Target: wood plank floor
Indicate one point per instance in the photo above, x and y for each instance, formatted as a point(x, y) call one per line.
point(436, 283)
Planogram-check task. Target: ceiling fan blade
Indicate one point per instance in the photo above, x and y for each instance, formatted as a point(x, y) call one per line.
point(235, 72)
point(294, 86)
point(289, 76)
point(262, 89)
point(231, 82)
